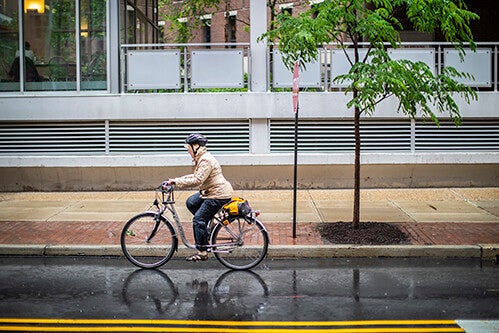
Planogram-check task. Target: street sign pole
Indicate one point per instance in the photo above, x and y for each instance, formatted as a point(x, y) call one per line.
point(295, 173)
point(295, 169)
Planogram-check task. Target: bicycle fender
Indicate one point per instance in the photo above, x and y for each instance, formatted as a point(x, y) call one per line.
point(260, 223)
point(166, 220)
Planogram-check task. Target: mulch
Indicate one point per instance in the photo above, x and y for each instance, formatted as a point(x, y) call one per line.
point(427, 233)
point(368, 233)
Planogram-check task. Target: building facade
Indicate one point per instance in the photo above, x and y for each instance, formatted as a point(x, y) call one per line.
point(101, 99)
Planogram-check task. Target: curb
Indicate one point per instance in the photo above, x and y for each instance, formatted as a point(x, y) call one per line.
point(481, 251)
point(374, 251)
point(490, 252)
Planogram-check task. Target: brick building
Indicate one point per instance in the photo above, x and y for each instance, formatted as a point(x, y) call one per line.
point(230, 22)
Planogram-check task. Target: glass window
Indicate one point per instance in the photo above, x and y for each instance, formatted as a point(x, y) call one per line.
point(50, 45)
point(9, 46)
point(50, 30)
point(93, 44)
point(206, 27)
point(231, 29)
point(287, 10)
point(139, 22)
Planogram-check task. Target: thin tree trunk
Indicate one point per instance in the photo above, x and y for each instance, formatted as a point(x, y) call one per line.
point(356, 192)
point(356, 188)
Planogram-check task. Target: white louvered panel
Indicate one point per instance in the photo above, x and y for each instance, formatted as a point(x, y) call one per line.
point(312, 136)
point(385, 135)
point(472, 135)
point(165, 137)
point(52, 138)
point(330, 136)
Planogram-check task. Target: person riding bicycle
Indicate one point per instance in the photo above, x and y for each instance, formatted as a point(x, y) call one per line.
point(214, 191)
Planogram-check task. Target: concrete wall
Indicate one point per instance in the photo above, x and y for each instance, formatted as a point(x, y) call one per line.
point(206, 106)
point(258, 169)
point(251, 177)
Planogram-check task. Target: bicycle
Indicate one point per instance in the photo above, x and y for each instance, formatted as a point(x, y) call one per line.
point(150, 239)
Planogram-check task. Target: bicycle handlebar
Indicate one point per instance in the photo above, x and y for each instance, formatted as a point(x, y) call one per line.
point(166, 188)
point(166, 191)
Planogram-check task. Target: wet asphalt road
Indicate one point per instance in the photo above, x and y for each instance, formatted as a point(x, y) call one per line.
point(280, 290)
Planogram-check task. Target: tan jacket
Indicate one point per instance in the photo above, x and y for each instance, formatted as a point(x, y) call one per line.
point(207, 176)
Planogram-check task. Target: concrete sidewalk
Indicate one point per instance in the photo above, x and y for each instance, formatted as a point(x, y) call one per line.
point(448, 222)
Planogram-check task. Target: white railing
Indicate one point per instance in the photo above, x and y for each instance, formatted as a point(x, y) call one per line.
point(190, 67)
point(184, 67)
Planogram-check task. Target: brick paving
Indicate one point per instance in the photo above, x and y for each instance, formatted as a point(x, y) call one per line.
point(450, 233)
point(108, 233)
point(464, 216)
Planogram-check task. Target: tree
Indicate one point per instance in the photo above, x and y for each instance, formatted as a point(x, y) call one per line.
point(374, 77)
point(193, 11)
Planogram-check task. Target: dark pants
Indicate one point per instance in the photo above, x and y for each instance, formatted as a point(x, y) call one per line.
point(203, 211)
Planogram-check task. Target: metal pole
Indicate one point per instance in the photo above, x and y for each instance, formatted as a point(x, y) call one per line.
point(295, 172)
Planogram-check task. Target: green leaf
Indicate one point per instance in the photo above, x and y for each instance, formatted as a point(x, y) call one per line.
point(377, 77)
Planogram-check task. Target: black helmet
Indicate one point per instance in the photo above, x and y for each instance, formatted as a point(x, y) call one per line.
point(196, 138)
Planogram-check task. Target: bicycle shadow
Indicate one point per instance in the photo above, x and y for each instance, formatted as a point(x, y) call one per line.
point(149, 290)
point(235, 295)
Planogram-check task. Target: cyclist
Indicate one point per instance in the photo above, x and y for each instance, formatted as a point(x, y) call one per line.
point(214, 191)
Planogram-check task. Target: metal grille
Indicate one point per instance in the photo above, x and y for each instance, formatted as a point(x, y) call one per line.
point(168, 137)
point(338, 135)
point(472, 135)
point(52, 138)
point(148, 137)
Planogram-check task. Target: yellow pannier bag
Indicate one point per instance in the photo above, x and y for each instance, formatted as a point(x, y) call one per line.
point(237, 207)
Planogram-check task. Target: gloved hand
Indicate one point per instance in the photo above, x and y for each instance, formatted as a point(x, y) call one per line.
point(167, 183)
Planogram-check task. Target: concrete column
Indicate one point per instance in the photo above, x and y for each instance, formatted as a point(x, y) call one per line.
point(258, 26)
point(259, 136)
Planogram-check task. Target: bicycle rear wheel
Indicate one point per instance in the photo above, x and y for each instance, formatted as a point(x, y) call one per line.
point(240, 245)
point(148, 242)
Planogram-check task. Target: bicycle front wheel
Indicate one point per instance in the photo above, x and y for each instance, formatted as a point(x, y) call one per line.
point(148, 241)
point(240, 245)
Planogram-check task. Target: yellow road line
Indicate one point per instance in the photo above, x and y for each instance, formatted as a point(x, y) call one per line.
point(204, 326)
point(225, 330)
point(224, 323)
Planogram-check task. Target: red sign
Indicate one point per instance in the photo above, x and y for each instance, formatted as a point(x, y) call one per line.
point(296, 88)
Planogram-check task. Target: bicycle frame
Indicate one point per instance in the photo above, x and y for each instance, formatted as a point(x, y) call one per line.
point(169, 203)
point(163, 205)
point(238, 242)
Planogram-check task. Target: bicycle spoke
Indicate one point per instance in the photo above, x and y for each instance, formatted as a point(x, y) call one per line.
point(240, 244)
point(147, 242)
